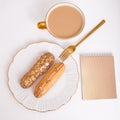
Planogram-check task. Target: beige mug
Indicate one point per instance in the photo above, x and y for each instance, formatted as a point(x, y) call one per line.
point(63, 20)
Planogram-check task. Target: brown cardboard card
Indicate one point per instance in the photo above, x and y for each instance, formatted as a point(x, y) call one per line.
point(98, 77)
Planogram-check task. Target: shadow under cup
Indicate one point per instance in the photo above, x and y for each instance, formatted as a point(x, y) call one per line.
point(64, 21)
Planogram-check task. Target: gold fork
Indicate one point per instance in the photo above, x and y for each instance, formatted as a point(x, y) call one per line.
point(70, 49)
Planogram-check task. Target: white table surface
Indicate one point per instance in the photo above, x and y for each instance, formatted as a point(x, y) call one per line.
point(18, 20)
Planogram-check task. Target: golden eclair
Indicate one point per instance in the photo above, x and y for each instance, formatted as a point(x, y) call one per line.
point(49, 79)
point(39, 68)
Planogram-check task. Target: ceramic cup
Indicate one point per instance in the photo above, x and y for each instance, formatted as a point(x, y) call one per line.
point(63, 20)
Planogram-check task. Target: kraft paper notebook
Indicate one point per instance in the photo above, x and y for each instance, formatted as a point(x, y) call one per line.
point(98, 77)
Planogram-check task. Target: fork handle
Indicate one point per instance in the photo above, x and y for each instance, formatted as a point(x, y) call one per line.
point(92, 31)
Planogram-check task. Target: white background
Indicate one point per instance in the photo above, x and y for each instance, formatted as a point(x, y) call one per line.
point(18, 20)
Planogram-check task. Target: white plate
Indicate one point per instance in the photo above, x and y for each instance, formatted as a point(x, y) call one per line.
point(58, 95)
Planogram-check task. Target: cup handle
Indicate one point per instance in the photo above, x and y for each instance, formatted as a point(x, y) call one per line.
point(42, 25)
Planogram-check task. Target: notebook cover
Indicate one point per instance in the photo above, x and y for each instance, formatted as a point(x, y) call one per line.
point(98, 77)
